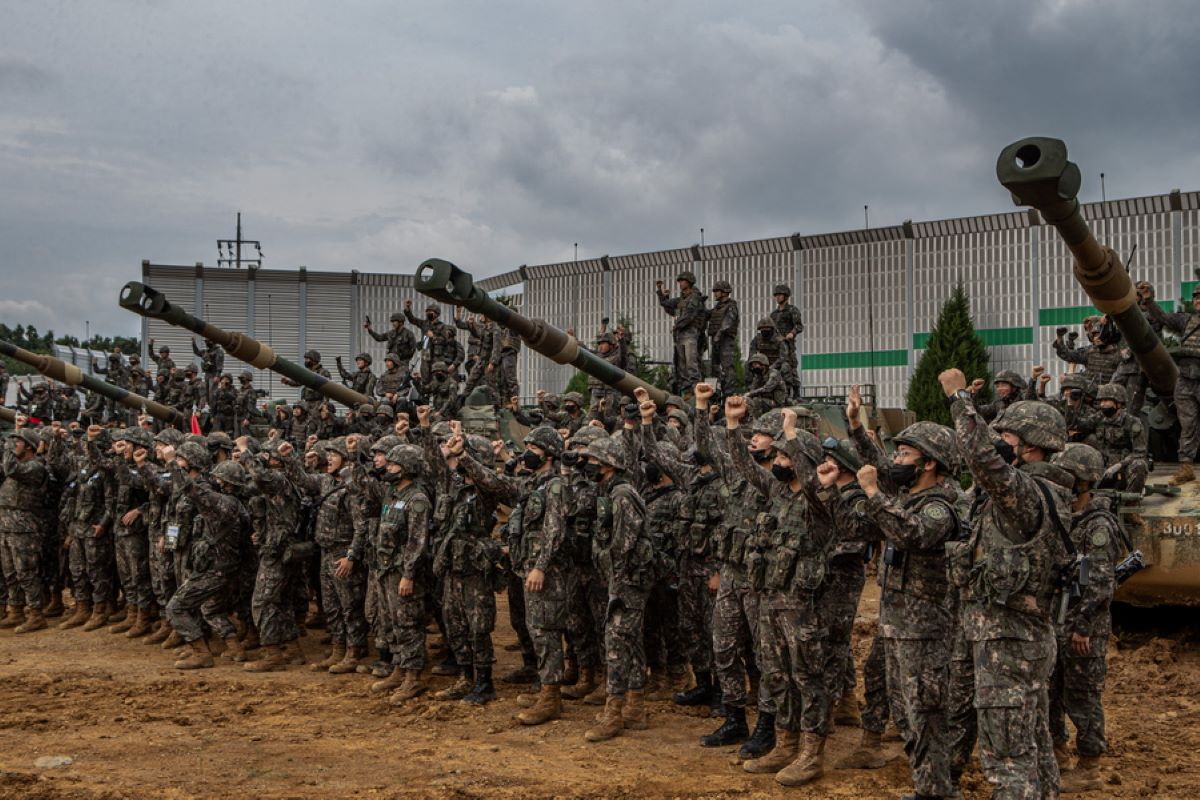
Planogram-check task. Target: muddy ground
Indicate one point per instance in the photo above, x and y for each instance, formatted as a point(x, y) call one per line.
point(134, 727)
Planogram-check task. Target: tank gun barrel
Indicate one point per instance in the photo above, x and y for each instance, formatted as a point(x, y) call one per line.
point(72, 375)
point(8, 415)
point(1038, 174)
point(448, 284)
point(153, 304)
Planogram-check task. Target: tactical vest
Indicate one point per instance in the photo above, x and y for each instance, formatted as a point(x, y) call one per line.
point(666, 527)
point(640, 567)
point(391, 536)
point(22, 496)
point(920, 573)
point(581, 520)
point(768, 347)
point(527, 535)
point(796, 551)
point(1189, 340)
point(734, 534)
point(717, 315)
point(1114, 438)
point(89, 494)
point(704, 514)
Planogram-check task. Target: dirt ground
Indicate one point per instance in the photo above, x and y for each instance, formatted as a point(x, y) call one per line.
point(134, 727)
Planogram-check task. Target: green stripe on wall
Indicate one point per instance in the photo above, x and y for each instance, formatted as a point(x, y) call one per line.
point(883, 358)
point(992, 337)
point(1074, 315)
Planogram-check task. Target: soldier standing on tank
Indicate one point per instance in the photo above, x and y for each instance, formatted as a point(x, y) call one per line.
point(311, 398)
point(1077, 687)
point(1008, 573)
point(400, 340)
point(767, 342)
point(212, 364)
point(1100, 358)
point(224, 405)
point(1121, 439)
point(789, 327)
point(475, 362)
point(1080, 416)
point(392, 379)
point(502, 364)
point(765, 386)
point(24, 482)
point(1187, 388)
point(361, 381)
point(608, 348)
point(431, 328)
point(690, 320)
point(722, 335)
point(163, 357)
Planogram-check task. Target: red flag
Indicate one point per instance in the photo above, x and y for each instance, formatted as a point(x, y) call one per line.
point(195, 425)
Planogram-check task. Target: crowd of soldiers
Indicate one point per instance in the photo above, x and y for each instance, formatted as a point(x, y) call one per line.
point(707, 552)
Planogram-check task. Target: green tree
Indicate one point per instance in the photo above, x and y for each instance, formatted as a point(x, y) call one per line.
point(952, 343)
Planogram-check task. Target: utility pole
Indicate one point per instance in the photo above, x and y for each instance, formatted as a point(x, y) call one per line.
point(229, 251)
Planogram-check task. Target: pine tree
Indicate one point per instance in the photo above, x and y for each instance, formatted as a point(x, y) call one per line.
point(952, 343)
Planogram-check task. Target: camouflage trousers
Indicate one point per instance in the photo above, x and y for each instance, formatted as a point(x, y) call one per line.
point(469, 610)
point(506, 382)
point(20, 553)
point(515, 589)
point(916, 677)
point(405, 616)
point(1076, 690)
point(839, 605)
point(722, 355)
point(962, 720)
point(1187, 408)
point(687, 360)
point(663, 643)
point(162, 571)
point(696, 617)
point(1012, 701)
point(736, 639)
point(624, 639)
point(587, 597)
point(270, 604)
point(344, 600)
point(875, 689)
point(133, 567)
point(201, 599)
point(1135, 384)
point(792, 657)
point(546, 616)
point(52, 563)
point(90, 559)
point(788, 367)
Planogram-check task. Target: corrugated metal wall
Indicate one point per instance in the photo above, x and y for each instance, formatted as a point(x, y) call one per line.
point(277, 322)
point(179, 285)
point(753, 268)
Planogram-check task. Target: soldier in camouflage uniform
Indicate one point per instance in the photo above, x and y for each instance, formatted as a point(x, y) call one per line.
point(690, 320)
point(722, 335)
point(539, 554)
point(1080, 416)
point(1121, 439)
point(608, 348)
point(132, 542)
point(481, 333)
point(368, 491)
point(502, 366)
point(441, 390)
point(163, 358)
point(789, 326)
point(24, 480)
point(212, 364)
point(311, 399)
point(1009, 387)
point(911, 501)
point(766, 342)
point(1007, 573)
point(400, 340)
point(1100, 360)
point(765, 386)
point(624, 556)
point(362, 380)
point(393, 376)
point(1077, 687)
point(90, 550)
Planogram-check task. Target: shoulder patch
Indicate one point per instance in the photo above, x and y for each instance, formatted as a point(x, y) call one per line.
point(860, 508)
point(936, 511)
point(1099, 537)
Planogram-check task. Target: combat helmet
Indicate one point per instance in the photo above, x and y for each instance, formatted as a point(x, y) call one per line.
point(440, 366)
point(408, 456)
point(338, 446)
point(396, 317)
point(758, 358)
point(26, 435)
point(586, 435)
point(573, 397)
point(606, 451)
point(139, 437)
point(809, 446)
point(935, 441)
point(195, 455)
point(433, 308)
point(169, 436)
point(1113, 391)
point(219, 440)
point(1010, 377)
point(395, 359)
point(1037, 423)
point(386, 443)
point(481, 450)
point(1081, 460)
point(841, 451)
point(770, 423)
point(606, 338)
point(364, 357)
point(231, 472)
point(546, 438)
point(1074, 380)
point(687, 275)
point(781, 289)
point(723, 286)
point(313, 356)
point(765, 324)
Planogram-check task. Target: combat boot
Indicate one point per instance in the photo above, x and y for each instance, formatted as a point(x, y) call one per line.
point(54, 608)
point(526, 673)
point(611, 721)
point(868, 754)
point(787, 744)
point(808, 766)
point(548, 707)
point(732, 730)
point(1183, 475)
point(119, 613)
point(201, 657)
point(656, 686)
point(13, 617)
point(762, 740)
point(250, 640)
point(570, 672)
point(447, 666)
point(99, 617)
point(633, 715)
point(159, 636)
point(846, 712)
point(1062, 755)
point(484, 691)
point(583, 687)
point(273, 660)
point(173, 640)
point(391, 681)
point(233, 649)
point(83, 611)
point(141, 625)
point(383, 664)
point(698, 695)
point(123, 626)
point(529, 699)
point(34, 621)
point(1085, 777)
point(349, 662)
point(599, 695)
point(461, 688)
point(295, 656)
point(335, 655)
point(411, 687)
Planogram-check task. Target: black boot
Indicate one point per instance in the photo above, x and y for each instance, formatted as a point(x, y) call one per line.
point(380, 667)
point(700, 695)
point(732, 730)
point(484, 692)
point(716, 705)
point(762, 741)
point(449, 666)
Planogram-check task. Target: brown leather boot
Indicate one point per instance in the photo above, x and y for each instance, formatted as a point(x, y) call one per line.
point(548, 707)
point(1062, 755)
point(392, 682)
point(54, 608)
point(124, 626)
point(611, 721)
point(99, 617)
point(34, 621)
point(250, 640)
point(1184, 474)
point(599, 695)
point(119, 613)
point(583, 687)
point(868, 754)
point(295, 655)
point(233, 649)
point(633, 715)
point(808, 766)
point(141, 625)
point(787, 744)
point(274, 660)
point(335, 655)
point(570, 672)
point(349, 661)
point(461, 688)
point(656, 686)
point(200, 658)
point(83, 610)
point(172, 641)
point(411, 687)
point(13, 617)
point(1085, 777)
point(160, 634)
point(846, 712)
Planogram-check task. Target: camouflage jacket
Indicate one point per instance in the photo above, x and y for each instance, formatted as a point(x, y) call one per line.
point(281, 514)
point(622, 549)
point(335, 529)
point(723, 320)
point(688, 310)
point(400, 343)
point(1120, 438)
point(787, 320)
point(1096, 533)
point(402, 537)
point(538, 525)
point(226, 525)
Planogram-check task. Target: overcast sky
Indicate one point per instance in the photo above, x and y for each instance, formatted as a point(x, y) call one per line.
point(372, 135)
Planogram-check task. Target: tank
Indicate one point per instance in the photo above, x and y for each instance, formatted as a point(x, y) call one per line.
point(153, 304)
point(446, 283)
point(71, 375)
point(1038, 174)
point(8, 416)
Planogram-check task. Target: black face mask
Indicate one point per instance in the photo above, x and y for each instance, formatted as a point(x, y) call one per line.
point(757, 370)
point(591, 469)
point(391, 477)
point(571, 408)
point(766, 334)
point(761, 456)
point(430, 317)
point(1006, 451)
point(783, 474)
point(532, 460)
point(902, 475)
point(653, 474)
point(439, 376)
point(1109, 411)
